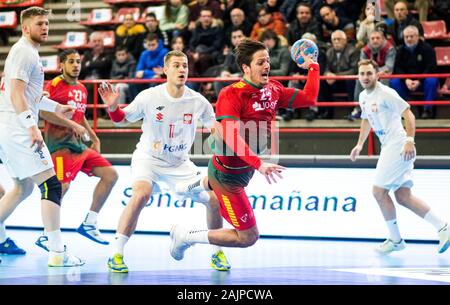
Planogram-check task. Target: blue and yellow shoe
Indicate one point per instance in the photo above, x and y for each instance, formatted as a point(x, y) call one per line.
point(116, 264)
point(219, 261)
point(10, 247)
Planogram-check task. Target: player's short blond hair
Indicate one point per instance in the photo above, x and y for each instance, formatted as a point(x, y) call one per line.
point(33, 11)
point(366, 62)
point(172, 54)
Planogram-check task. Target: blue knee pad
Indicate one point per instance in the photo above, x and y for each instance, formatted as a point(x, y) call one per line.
point(51, 190)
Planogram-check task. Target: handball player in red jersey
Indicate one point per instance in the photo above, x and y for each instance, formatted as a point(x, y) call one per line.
point(252, 101)
point(68, 140)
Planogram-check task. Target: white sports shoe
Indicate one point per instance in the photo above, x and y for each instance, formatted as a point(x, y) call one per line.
point(178, 244)
point(389, 246)
point(444, 239)
point(92, 232)
point(63, 259)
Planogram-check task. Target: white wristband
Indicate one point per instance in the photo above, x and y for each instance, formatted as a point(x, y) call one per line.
point(47, 104)
point(26, 119)
point(410, 139)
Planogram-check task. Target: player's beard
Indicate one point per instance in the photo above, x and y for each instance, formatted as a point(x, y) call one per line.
point(37, 38)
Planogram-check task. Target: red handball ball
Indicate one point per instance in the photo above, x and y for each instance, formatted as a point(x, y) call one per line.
point(308, 47)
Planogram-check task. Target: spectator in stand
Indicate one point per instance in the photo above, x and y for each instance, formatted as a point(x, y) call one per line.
point(441, 11)
point(416, 57)
point(266, 22)
point(278, 53)
point(303, 23)
point(421, 6)
point(402, 20)
point(342, 59)
point(130, 35)
point(151, 62)
point(337, 5)
point(247, 6)
point(123, 67)
point(175, 18)
point(380, 50)
point(238, 20)
point(230, 68)
point(152, 26)
point(97, 61)
point(332, 22)
point(365, 25)
point(273, 7)
point(195, 12)
point(207, 35)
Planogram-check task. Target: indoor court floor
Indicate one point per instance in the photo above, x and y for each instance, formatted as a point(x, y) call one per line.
point(271, 261)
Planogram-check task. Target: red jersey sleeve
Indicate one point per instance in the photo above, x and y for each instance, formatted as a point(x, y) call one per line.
point(228, 114)
point(295, 98)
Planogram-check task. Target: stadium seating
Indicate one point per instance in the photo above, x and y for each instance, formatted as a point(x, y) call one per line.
point(435, 29)
point(158, 10)
point(442, 56)
point(120, 15)
point(8, 20)
point(50, 64)
point(99, 16)
point(20, 3)
point(134, 1)
point(74, 40)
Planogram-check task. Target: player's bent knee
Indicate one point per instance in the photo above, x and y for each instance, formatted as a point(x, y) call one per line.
point(249, 238)
point(141, 198)
point(51, 190)
point(401, 198)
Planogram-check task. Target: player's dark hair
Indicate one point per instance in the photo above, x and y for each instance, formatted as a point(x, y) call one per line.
point(245, 50)
point(64, 54)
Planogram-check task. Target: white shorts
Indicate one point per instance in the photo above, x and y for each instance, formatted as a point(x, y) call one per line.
point(20, 160)
point(392, 171)
point(162, 178)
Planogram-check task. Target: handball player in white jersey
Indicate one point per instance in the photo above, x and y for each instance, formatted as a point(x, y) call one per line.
point(22, 148)
point(170, 113)
point(382, 110)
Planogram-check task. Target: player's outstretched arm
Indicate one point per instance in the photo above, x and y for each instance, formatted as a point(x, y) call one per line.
point(270, 170)
point(363, 134)
point(111, 98)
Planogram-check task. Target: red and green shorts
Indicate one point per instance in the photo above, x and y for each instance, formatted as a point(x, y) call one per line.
point(228, 185)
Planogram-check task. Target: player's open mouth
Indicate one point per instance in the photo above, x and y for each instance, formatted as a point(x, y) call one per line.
point(265, 74)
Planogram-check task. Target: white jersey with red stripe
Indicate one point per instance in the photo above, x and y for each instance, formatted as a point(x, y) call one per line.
point(23, 63)
point(169, 124)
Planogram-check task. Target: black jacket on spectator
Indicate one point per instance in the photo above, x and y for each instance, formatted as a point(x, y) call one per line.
point(98, 68)
point(123, 70)
point(397, 29)
point(246, 28)
point(421, 60)
point(296, 31)
point(211, 38)
point(133, 43)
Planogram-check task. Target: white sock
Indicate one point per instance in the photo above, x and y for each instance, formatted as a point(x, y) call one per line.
point(432, 218)
point(393, 230)
point(197, 236)
point(195, 187)
point(215, 249)
point(54, 241)
point(3, 236)
point(118, 244)
point(91, 218)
